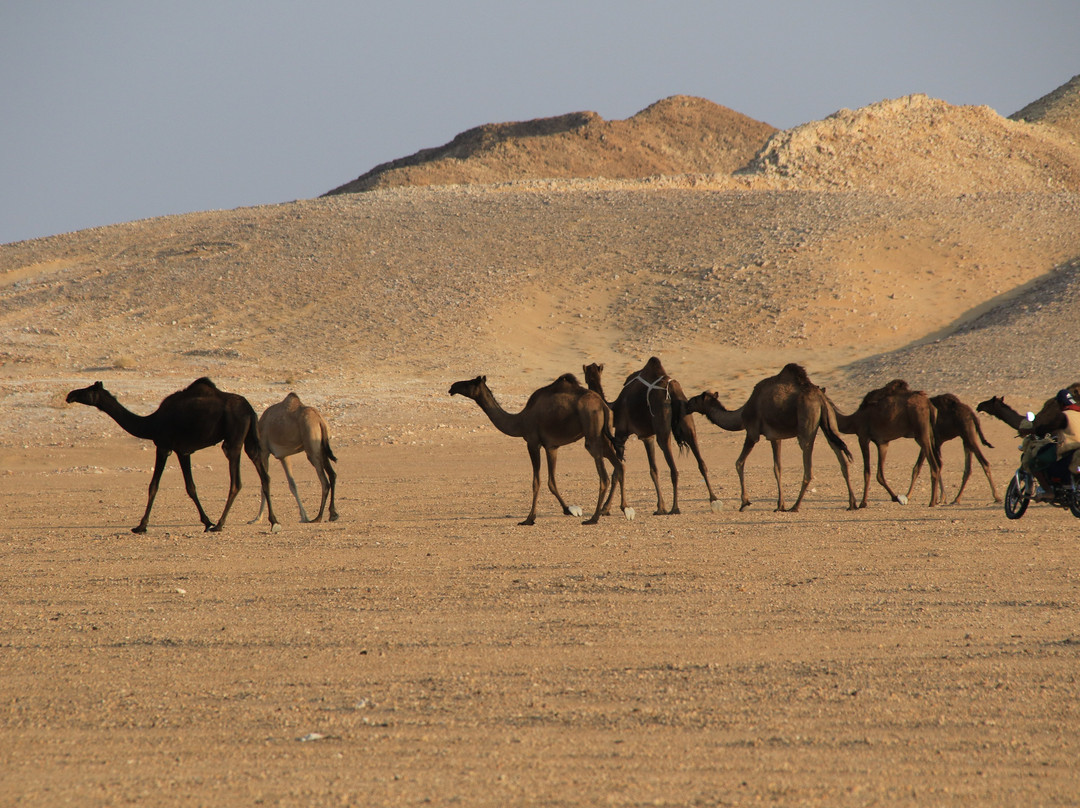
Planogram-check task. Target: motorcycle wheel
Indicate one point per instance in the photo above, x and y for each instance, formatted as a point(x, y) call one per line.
point(1019, 493)
point(1074, 503)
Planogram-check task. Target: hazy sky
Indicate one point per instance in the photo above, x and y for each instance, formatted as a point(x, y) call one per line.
point(117, 110)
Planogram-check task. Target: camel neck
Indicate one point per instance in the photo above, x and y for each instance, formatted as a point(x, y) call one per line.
point(138, 425)
point(845, 423)
point(507, 423)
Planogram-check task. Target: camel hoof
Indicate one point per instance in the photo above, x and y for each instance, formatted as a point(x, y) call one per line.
point(333, 517)
point(629, 513)
point(716, 505)
point(901, 499)
point(575, 510)
point(594, 521)
point(276, 527)
point(744, 506)
point(527, 522)
point(139, 529)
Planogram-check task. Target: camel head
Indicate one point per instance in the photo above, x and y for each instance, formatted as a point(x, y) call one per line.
point(470, 388)
point(92, 396)
point(991, 405)
point(703, 402)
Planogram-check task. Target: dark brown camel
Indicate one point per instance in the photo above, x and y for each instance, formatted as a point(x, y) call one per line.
point(997, 407)
point(955, 419)
point(194, 418)
point(887, 414)
point(787, 405)
point(288, 428)
point(561, 413)
point(644, 408)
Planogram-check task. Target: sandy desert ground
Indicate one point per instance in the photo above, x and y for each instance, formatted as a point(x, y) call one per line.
point(425, 649)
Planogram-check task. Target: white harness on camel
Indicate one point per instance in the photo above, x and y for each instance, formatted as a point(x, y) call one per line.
point(660, 384)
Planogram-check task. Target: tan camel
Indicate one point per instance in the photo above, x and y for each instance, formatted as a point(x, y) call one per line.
point(288, 428)
point(644, 408)
point(955, 419)
point(787, 405)
point(561, 413)
point(194, 418)
point(887, 414)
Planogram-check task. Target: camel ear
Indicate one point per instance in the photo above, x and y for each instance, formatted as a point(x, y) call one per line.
point(600, 366)
point(99, 386)
point(483, 380)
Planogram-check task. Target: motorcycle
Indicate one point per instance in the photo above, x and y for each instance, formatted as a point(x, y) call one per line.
point(1023, 488)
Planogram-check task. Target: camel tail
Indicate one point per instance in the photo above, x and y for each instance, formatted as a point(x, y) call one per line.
point(982, 437)
point(679, 429)
point(251, 439)
point(326, 450)
point(832, 433)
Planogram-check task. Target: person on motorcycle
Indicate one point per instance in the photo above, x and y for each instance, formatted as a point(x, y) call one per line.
point(1059, 459)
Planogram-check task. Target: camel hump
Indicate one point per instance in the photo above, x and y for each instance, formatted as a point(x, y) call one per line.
point(564, 384)
point(203, 382)
point(566, 380)
point(654, 368)
point(895, 387)
point(797, 373)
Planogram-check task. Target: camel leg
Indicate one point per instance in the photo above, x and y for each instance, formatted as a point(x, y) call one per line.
point(650, 452)
point(552, 487)
point(189, 484)
point(935, 470)
point(704, 470)
point(264, 480)
point(155, 480)
point(618, 473)
point(807, 464)
point(864, 447)
point(618, 465)
point(669, 456)
point(331, 478)
point(320, 464)
point(777, 474)
point(234, 488)
point(918, 468)
point(842, 460)
point(534, 458)
point(882, 450)
point(264, 456)
point(740, 466)
point(964, 480)
point(296, 494)
point(986, 470)
point(602, 473)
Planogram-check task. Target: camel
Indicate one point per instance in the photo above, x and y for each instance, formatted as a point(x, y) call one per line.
point(997, 407)
point(194, 418)
point(886, 414)
point(955, 419)
point(561, 413)
point(787, 405)
point(290, 427)
point(644, 408)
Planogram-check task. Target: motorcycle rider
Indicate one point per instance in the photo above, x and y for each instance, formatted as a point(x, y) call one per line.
point(1059, 459)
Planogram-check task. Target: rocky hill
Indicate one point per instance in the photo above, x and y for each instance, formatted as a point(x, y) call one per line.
point(920, 145)
point(678, 135)
point(911, 238)
point(1060, 109)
